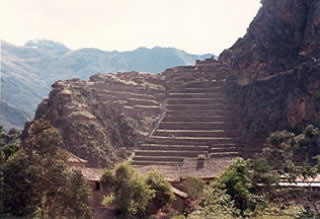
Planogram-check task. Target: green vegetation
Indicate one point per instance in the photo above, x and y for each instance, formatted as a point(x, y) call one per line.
point(36, 182)
point(122, 128)
point(132, 193)
point(248, 188)
point(193, 187)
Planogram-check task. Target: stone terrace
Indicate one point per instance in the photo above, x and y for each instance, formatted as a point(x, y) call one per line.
point(195, 124)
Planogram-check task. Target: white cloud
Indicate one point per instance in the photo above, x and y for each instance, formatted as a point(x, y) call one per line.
point(196, 26)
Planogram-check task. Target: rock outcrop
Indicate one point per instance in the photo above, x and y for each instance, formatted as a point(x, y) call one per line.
point(109, 111)
point(284, 34)
point(275, 70)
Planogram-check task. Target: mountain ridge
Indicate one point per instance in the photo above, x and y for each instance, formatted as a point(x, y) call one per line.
point(30, 70)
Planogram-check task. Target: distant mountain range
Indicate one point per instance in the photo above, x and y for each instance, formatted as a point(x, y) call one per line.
point(28, 71)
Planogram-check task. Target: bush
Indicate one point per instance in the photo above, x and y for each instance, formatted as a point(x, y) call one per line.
point(237, 183)
point(193, 187)
point(132, 193)
point(162, 188)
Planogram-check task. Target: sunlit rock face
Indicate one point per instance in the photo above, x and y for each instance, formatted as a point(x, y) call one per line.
point(99, 116)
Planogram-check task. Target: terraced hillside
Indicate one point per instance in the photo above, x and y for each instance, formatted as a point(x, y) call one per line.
point(103, 116)
point(196, 122)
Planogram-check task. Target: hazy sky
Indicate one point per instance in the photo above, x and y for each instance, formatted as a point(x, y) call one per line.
point(200, 26)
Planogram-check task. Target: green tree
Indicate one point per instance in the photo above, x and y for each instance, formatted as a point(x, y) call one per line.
point(19, 195)
point(9, 145)
point(163, 192)
point(74, 201)
point(38, 178)
point(293, 154)
point(215, 204)
point(130, 192)
point(236, 182)
point(133, 193)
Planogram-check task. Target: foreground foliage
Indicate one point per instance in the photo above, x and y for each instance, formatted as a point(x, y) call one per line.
point(132, 193)
point(37, 182)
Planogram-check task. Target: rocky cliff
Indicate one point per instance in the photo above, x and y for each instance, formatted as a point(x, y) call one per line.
point(274, 69)
point(100, 116)
point(284, 34)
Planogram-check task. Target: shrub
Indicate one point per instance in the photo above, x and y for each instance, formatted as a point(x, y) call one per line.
point(193, 187)
point(162, 188)
point(132, 193)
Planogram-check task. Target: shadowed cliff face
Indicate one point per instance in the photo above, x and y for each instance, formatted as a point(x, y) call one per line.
point(275, 69)
point(283, 34)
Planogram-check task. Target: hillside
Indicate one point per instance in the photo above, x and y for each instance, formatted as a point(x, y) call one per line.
point(270, 81)
point(29, 70)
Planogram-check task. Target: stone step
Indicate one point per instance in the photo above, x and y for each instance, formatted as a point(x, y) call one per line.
point(155, 163)
point(177, 117)
point(196, 95)
point(195, 90)
point(198, 101)
point(225, 149)
point(126, 94)
point(147, 106)
point(169, 153)
point(196, 83)
point(206, 107)
point(173, 147)
point(194, 141)
point(196, 133)
point(224, 154)
point(194, 74)
point(196, 125)
point(140, 101)
point(205, 84)
point(158, 158)
point(197, 113)
point(191, 76)
point(226, 145)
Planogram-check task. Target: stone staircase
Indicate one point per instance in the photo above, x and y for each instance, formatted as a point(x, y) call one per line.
point(195, 124)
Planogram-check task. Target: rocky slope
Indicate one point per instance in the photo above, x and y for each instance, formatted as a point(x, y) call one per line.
point(101, 115)
point(29, 70)
point(275, 70)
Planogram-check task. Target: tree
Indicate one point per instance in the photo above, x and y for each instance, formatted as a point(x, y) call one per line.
point(19, 195)
point(236, 182)
point(9, 145)
point(215, 204)
point(38, 178)
point(74, 200)
point(132, 193)
point(163, 192)
point(293, 154)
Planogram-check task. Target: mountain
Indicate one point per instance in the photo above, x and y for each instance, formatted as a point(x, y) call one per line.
point(29, 70)
point(275, 69)
point(270, 80)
